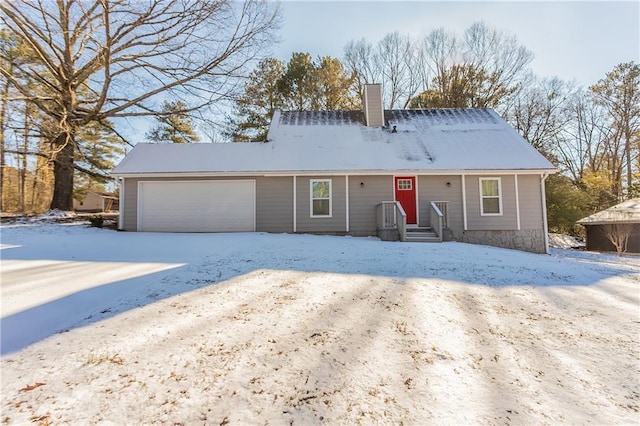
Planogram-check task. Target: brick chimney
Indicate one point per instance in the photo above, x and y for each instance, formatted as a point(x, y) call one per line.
point(372, 104)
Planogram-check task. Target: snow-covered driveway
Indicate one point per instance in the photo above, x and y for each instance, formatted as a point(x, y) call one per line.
point(256, 328)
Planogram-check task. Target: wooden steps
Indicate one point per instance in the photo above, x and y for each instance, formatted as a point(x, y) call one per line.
point(422, 235)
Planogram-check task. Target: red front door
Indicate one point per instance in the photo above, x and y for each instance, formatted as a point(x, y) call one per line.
point(406, 194)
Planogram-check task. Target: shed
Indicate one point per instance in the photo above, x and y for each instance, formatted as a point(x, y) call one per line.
point(95, 202)
point(620, 221)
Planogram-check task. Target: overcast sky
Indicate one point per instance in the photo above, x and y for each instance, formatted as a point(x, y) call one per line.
point(581, 40)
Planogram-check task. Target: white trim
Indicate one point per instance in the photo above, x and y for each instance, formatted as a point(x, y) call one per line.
point(481, 197)
point(121, 204)
point(515, 177)
point(346, 184)
point(295, 203)
point(464, 202)
point(417, 202)
point(545, 225)
point(280, 173)
point(311, 215)
point(139, 205)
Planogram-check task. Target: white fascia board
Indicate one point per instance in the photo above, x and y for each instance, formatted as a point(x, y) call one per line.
point(419, 172)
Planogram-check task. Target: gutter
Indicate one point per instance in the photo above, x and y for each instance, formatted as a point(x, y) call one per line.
point(289, 173)
point(545, 223)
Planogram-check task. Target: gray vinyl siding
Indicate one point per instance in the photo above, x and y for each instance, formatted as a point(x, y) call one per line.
point(507, 221)
point(530, 196)
point(130, 208)
point(337, 222)
point(364, 199)
point(274, 204)
point(434, 188)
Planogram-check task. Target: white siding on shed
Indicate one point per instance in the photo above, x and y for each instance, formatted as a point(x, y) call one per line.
point(196, 206)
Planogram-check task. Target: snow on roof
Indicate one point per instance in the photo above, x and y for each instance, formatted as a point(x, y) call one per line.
point(628, 211)
point(338, 141)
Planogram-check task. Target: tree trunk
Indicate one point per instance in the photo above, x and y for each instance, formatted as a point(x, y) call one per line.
point(23, 167)
point(63, 173)
point(3, 115)
point(627, 149)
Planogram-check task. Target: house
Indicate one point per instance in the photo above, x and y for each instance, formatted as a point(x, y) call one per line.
point(620, 221)
point(94, 202)
point(457, 174)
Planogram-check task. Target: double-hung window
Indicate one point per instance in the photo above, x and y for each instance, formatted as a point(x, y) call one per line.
point(321, 198)
point(490, 197)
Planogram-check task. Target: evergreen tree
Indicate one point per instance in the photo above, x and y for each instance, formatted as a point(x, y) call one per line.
point(335, 86)
point(298, 84)
point(174, 125)
point(566, 204)
point(301, 84)
point(460, 86)
point(255, 107)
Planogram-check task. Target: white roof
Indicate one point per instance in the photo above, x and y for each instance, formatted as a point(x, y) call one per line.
point(335, 141)
point(628, 211)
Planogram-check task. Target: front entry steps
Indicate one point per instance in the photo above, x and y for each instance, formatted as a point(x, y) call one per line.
point(422, 235)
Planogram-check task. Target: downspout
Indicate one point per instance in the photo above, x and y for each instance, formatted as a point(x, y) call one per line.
point(346, 182)
point(464, 202)
point(295, 205)
point(121, 204)
point(544, 177)
point(517, 202)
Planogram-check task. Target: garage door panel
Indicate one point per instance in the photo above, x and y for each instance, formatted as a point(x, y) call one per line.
point(197, 206)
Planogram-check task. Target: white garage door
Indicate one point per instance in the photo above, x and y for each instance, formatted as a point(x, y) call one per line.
point(197, 206)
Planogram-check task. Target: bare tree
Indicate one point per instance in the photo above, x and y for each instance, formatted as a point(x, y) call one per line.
point(619, 93)
point(394, 62)
point(106, 59)
point(539, 111)
point(499, 54)
point(493, 61)
point(439, 53)
point(360, 59)
point(581, 145)
point(618, 234)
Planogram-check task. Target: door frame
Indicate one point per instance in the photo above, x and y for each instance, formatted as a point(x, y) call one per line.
point(415, 191)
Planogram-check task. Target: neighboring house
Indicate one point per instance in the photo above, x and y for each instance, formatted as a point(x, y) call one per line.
point(95, 202)
point(617, 221)
point(461, 174)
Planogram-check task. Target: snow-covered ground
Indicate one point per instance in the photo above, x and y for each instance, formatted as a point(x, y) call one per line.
point(109, 327)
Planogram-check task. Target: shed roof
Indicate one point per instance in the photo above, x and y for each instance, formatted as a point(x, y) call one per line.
point(625, 212)
point(338, 141)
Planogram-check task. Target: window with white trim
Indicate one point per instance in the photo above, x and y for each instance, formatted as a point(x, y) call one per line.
point(321, 198)
point(490, 197)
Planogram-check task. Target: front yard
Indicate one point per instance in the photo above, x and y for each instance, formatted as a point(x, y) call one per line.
point(102, 326)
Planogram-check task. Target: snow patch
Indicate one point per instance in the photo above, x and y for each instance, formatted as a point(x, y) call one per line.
point(562, 241)
point(100, 326)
